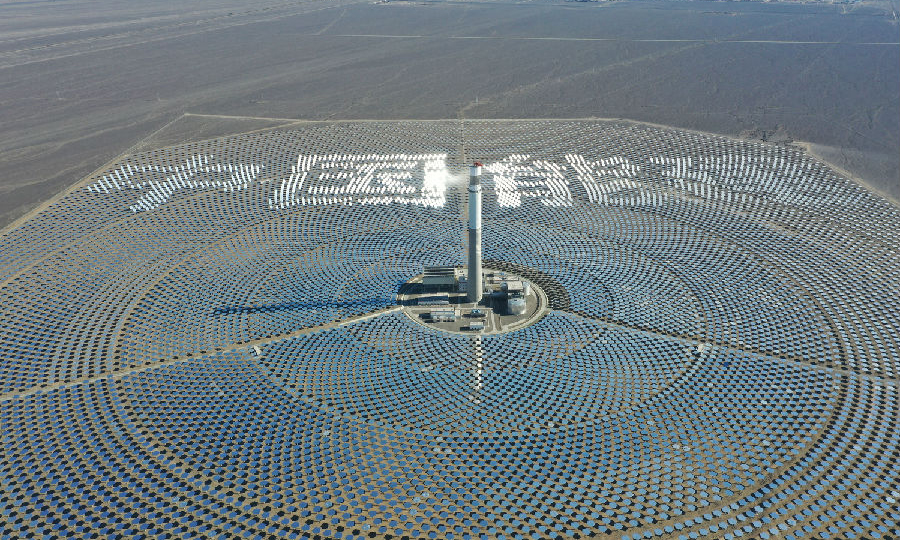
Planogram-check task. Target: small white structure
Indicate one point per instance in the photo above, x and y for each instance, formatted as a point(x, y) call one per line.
point(442, 315)
point(513, 287)
point(462, 284)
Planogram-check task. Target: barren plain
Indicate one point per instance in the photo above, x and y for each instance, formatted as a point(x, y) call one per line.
point(83, 82)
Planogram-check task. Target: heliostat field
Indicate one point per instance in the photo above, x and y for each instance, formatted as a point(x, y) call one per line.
point(205, 341)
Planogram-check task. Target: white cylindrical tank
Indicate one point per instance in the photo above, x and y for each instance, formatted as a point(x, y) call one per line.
point(516, 306)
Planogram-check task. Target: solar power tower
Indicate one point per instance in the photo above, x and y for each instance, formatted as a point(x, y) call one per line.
point(473, 271)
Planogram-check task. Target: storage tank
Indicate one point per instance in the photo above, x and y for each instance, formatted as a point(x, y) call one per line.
point(516, 305)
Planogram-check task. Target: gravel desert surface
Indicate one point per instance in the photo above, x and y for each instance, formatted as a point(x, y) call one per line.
point(83, 82)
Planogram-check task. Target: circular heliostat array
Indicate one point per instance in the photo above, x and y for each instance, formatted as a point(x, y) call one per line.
point(205, 341)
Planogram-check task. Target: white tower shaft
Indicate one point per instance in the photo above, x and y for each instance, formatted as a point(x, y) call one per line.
point(474, 277)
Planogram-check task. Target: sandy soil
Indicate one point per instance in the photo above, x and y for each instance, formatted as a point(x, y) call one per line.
point(81, 86)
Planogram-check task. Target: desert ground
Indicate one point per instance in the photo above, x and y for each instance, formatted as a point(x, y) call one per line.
point(82, 82)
